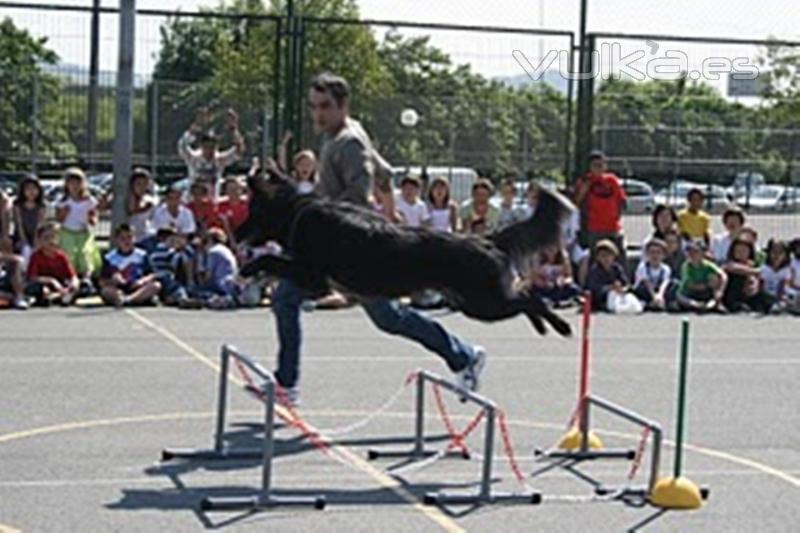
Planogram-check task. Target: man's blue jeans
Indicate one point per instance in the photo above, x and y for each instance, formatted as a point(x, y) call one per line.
point(390, 316)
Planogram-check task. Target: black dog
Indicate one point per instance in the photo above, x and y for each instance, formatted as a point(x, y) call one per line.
point(329, 244)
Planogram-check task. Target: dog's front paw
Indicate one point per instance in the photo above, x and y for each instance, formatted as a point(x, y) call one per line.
point(559, 324)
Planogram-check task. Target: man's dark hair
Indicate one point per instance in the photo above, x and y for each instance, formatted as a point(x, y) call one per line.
point(334, 85)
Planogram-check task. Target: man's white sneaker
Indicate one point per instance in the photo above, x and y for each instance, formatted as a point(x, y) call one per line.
point(288, 396)
point(470, 377)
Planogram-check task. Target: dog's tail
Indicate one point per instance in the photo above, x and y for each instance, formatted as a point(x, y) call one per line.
point(545, 227)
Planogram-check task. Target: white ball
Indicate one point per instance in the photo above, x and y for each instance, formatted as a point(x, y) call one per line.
point(409, 118)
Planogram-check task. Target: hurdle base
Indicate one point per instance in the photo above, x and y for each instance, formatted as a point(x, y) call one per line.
point(373, 454)
point(444, 498)
point(257, 503)
point(168, 454)
point(587, 455)
point(641, 492)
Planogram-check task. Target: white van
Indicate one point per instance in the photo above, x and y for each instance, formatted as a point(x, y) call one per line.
point(461, 179)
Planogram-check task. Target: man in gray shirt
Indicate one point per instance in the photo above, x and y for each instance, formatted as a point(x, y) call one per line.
point(348, 166)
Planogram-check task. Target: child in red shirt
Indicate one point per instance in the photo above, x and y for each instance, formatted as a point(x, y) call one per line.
point(204, 207)
point(233, 207)
point(51, 275)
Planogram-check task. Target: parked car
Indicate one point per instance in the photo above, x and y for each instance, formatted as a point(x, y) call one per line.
point(8, 186)
point(770, 198)
point(103, 182)
point(641, 198)
point(744, 182)
point(717, 198)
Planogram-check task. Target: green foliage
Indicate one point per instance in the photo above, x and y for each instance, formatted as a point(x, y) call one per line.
point(27, 91)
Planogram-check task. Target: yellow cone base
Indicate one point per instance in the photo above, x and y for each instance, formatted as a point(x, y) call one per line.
point(676, 493)
point(573, 438)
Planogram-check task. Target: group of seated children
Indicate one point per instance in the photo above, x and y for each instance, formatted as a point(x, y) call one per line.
point(685, 268)
point(181, 254)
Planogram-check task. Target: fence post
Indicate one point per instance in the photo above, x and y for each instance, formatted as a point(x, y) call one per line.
point(583, 126)
point(154, 127)
point(35, 124)
point(123, 144)
point(91, 122)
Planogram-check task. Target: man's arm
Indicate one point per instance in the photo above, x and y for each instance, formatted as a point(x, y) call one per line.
point(581, 189)
point(356, 173)
point(232, 154)
point(185, 149)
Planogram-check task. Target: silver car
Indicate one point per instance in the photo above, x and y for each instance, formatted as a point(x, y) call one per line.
point(641, 198)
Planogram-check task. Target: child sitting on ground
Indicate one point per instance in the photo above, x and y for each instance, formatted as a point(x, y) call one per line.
point(607, 282)
point(509, 213)
point(733, 220)
point(29, 212)
point(204, 207)
point(551, 276)
point(126, 277)
point(77, 213)
point(702, 282)
point(414, 211)
point(793, 285)
point(776, 274)
point(140, 208)
point(165, 264)
point(51, 275)
point(217, 280)
point(653, 277)
point(743, 291)
point(749, 233)
point(443, 211)
point(304, 165)
point(11, 277)
point(173, 213)
point(694, 223)
point(675, 256)
point(233, 207)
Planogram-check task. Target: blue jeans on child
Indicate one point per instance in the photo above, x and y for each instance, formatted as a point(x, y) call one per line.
point(390, 317)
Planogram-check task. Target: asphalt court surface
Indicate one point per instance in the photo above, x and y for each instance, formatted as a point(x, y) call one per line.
point(89, 397)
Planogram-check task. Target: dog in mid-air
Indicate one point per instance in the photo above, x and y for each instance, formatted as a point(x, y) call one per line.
point(329, 244)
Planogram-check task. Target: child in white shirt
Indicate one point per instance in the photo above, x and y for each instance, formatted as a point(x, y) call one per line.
point(652, 278)
point(792, 289)
point(414, 211)
point(77, 214)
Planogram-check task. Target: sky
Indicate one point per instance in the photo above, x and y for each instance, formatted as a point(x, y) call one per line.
point(488, 53)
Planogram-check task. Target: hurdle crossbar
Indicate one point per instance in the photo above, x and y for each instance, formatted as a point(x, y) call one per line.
point(418, 451)
point(655, 453)
point(264, 499)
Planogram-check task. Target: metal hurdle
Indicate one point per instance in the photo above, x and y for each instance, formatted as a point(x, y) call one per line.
point(264, 499)
point(589, 446)
point(418, 451)
point(655, 454)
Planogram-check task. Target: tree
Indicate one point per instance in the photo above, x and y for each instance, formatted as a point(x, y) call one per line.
point(467, 119)
point(29, 104)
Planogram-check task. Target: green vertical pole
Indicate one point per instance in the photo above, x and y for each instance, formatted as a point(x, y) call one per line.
point(682, 377)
